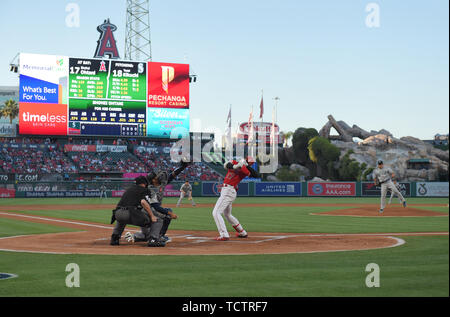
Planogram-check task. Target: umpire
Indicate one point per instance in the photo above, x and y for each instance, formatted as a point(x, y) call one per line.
point(134, 208)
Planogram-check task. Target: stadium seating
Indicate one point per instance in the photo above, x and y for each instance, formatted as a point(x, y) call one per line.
point(49, 158)
point(29, 161)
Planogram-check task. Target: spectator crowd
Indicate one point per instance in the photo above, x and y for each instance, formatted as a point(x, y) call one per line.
point(53, 160)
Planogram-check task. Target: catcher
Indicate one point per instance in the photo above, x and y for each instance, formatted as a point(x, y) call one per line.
point(383, 177)
point(157, 183)
point(186, 190)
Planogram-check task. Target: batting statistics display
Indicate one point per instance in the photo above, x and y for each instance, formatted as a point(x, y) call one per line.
point(85, 96)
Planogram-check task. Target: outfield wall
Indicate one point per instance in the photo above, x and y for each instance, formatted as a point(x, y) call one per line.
point(212, 189)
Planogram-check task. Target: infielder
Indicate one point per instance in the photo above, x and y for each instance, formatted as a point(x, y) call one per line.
point(237, 171)
point(186, 190)
point(383, 177)
point(103, 191)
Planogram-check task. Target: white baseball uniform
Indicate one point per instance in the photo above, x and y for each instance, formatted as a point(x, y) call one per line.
point(227, 196)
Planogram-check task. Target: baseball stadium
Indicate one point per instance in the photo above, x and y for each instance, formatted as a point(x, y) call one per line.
point(107, 188)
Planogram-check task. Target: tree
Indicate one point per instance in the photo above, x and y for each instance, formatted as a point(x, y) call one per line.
point(300, 140)
point(351, 170)
point(324, 155)
point(10, 110)
point(285, 174)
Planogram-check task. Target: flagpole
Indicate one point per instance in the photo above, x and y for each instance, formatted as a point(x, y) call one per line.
point(252, 130)
point(275, 144)
point(262, 114)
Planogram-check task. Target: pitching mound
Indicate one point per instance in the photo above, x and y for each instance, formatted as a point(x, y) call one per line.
point(94, 239)
point(390, 211)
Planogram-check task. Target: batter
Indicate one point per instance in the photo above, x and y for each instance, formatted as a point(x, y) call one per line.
point(237, 171)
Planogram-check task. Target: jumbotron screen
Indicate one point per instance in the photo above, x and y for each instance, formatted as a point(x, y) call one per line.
point(62, 95)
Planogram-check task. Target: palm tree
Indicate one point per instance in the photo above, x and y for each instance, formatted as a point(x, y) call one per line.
point(10, 110)
point(287, 136)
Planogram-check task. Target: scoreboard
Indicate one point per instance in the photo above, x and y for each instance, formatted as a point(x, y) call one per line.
point(103, 93)
point(103, 97)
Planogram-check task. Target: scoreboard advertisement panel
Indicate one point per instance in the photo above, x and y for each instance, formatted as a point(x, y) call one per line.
point(86, 96)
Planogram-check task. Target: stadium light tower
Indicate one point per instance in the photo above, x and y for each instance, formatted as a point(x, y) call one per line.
point(137, 37)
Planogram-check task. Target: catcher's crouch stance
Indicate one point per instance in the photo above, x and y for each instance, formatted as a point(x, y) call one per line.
point(383, 177)
point(134, 208)
point(236, 172)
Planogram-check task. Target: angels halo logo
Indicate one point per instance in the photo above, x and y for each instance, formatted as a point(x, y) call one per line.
point(106, 44)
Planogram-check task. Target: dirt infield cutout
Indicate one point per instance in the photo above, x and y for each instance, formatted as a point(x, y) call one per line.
point(390, 211)
point(94, 239)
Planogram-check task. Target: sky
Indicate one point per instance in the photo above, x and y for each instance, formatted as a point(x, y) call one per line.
point(319, 57)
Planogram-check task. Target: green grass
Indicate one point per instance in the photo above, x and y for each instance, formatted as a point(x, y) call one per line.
point(418, 268)
point(249, 200)
point(270, 218)
point(12, 227)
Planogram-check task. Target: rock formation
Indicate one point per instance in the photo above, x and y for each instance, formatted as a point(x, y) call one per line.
point(394, 152)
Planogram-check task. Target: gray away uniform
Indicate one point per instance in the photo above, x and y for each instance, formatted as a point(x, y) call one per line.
point(185, 190)
point(384, 177)
point(155, 201)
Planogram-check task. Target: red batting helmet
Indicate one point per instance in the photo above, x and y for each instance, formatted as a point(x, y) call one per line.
point(250, 160)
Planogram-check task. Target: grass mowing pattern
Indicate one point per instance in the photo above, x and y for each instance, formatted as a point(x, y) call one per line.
point(271, 218)
point(12, 227)
point(419, 268)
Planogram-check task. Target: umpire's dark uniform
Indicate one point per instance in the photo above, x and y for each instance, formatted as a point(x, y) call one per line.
point(130, 211)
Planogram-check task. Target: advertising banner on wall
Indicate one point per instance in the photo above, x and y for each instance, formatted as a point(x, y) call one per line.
point(7, 193)
point(43, 94)
point(331, 189)
point(278, 189)
point(5, 178)
point(369, 189)
point(62, 95)
point(168, 85)
point(432, 189)
point(161, 123)
point(214, 188)
point(79, 148)
point(56, 194)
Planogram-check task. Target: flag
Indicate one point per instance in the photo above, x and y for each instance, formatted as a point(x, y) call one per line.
point(261, 108)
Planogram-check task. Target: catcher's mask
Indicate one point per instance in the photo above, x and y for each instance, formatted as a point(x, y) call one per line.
point(162, 177)
point(150, 177)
